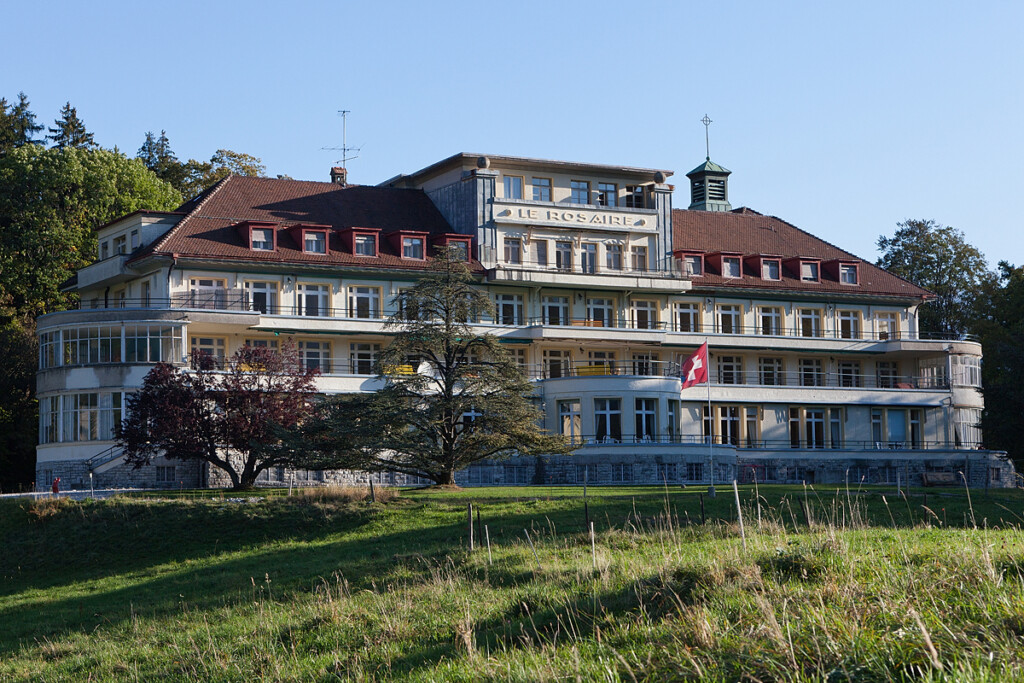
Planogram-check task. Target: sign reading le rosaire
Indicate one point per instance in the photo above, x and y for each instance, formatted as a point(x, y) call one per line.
point(606, 219)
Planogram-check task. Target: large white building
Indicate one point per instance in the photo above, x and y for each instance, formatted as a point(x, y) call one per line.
point(602, 289)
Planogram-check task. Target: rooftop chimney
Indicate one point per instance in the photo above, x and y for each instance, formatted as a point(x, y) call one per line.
point(339, 175)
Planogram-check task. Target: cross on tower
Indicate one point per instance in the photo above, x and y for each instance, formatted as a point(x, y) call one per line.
point(707, 144)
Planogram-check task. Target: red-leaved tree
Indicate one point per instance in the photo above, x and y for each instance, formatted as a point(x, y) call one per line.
point(227, 418)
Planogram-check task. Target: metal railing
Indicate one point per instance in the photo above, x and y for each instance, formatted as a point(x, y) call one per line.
point(629, 321)
point(832, 379)
point(614, 439)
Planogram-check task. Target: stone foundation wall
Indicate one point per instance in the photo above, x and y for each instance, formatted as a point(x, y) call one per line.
point(74, 476)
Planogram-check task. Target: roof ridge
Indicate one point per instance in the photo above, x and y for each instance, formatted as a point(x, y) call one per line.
point(199, 205)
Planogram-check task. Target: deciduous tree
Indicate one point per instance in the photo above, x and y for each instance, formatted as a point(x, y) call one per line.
point(200, 175)
point(451, 396)
point(227, 419)
point(939, 259)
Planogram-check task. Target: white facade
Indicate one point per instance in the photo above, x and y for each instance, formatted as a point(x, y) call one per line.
point(596, 296)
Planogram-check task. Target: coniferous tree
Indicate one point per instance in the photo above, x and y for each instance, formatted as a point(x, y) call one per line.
point(157, 155)
point(451, 397)
point(69, 131)
point(17, 124)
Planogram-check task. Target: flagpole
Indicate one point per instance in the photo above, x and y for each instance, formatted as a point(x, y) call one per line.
point(711, 431)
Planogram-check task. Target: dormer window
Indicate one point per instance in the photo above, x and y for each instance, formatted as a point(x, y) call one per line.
point(315, 242)
point(771, 269)
point(693, 265)
point(412, 247)
point(809, 271)
point(731, 267)
point(848, 274)
point(263, 239)
point(365, 245)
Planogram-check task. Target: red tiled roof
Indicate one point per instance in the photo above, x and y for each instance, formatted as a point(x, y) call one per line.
point(208, 230)
point(748, 232)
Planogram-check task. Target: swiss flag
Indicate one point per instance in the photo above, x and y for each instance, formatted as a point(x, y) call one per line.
point(695, 369)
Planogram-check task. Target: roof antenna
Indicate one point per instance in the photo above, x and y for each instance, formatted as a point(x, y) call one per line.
point(707, 144)
point(344, 149)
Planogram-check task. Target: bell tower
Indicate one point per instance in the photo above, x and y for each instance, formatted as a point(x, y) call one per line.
point(709, 182)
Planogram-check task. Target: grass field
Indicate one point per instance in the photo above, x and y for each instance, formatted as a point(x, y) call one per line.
point(828, 584)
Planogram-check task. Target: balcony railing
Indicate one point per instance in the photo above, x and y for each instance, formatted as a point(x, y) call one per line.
point(766, 444)
point(810, 380)
point(630, 321)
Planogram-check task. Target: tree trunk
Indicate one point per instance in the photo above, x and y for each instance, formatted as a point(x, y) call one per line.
point(446, 478)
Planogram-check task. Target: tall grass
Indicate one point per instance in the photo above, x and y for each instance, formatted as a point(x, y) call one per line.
point(832, 586)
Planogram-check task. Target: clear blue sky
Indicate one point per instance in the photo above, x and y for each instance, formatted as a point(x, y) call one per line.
point(841, 118)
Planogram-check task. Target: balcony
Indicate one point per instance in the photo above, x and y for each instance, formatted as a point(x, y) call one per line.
point(661, 276)
point(109, 271)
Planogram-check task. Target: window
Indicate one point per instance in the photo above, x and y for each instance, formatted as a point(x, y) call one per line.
point(808, 271)
point(608, 420)
point(146, 291)
point(263, 343)
point(601, 363)
point(607, 194)
point(513, 250)
point(848, 274)
point(666, 472)
point(588, 257)
point(810, 322)
point(460, 248)
point(888, 325)
point(729, 319)
point(639, 255)
point(519, 356)
point(835, 427)
point(622, 472)
point(49, 419)
point(731, 267)
point(811, 374)
point(366, 245)
point(916, 419)
point(412, 247)
point(207, 293)
point(753, 424)
point(814, 428)
point(634, 198)
point(849, 373)
point(613, 256)
point(771, 269)
point(563, 255)
point(557, 363)
point(687, 317)
point(556, 310)
point(730, 370)
point(673, 420)
point(769, 372)
point(794, 428)
point(316, 242)
point(315, 355)
point(932, 373)
point(645, 364)
point(134, 242)
point(966, 371)
point(513, 187)
point(849, 325)
point(153, 344)
point(104, 250)
point(601, 312)
point(694, 471)
point(579, 191)
point(509, 308)
point(83, 417)
point(770, 320)
point(363, 358)
point(120, 244)
point(165, 474)
point(91, 345)
point(364, 302)
point(886, 374)
point(214, 347)
point(261, 296)
point(967, 427)
point(541, 189)
point(729, 424)
point(570, 421)
point(540, 249)
point(645, 314)
point(263, 239)
point(693, 265)
point(312, 300)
